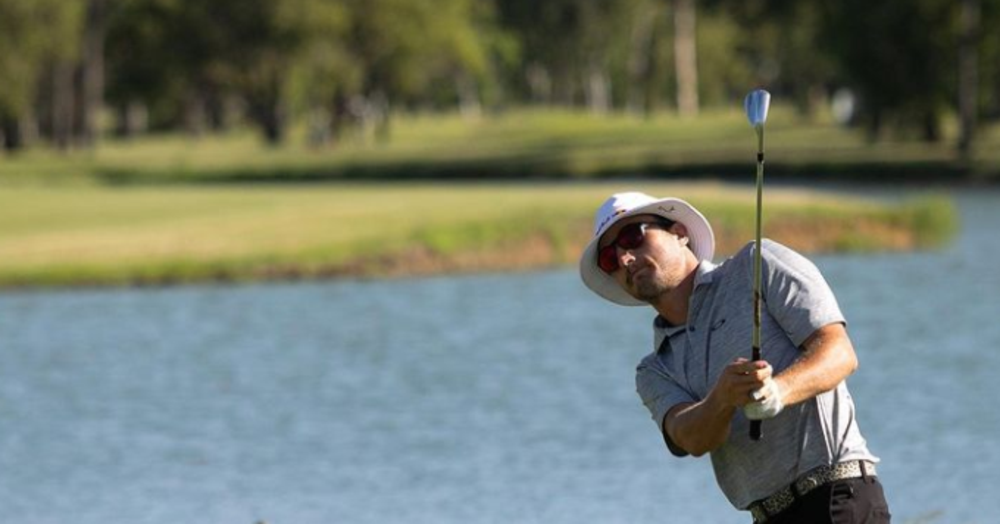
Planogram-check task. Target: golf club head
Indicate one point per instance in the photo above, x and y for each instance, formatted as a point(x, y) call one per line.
point(756, 104)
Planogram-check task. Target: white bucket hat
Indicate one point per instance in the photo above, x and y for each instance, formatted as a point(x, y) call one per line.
point(701, 239)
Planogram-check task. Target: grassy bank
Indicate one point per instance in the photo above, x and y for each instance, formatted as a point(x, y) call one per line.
point(85, 234)
point(526, 144)
point(177, 209)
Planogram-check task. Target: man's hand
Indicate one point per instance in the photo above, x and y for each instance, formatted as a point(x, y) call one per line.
point(701, 427)
point(739, 380)
point(768, 401)
point(827, 359)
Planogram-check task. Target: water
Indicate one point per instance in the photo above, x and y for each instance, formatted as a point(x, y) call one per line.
point(486, 399)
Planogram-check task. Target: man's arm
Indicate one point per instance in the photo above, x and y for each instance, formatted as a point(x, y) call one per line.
point(703, 426)
point(698, 428)
point(828, 358)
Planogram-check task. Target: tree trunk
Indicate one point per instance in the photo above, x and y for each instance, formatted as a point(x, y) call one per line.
point(598, 90)
point(640, 60)
point(383, 124)
point(133, 119)
point(273, 128)
point(10, 134)
point(686, 57)
point(215, 110)
point(873, 127)
point(267, 112)
point(194, 112)
point(340, 115)
point(539, 83)
point(91, 74)
point(968, 76)
point(264, 102)
point(931, 126)
point(469, 104)
point(565, 86)
point(63, 105)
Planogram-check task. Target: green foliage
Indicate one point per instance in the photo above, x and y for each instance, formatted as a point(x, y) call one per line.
point(724, 73)
point(351, 64)
point(32, 34)
point(935, 219)
point(894, 53)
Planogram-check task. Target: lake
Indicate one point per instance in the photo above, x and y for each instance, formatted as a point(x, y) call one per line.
point(477, 399)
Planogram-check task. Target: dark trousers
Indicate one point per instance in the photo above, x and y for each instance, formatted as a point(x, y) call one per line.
point(851, 501)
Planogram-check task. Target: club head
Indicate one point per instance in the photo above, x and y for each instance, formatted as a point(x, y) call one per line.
point(756, 104)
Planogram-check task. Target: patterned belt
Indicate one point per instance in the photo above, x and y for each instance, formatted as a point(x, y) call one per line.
point(764, 509)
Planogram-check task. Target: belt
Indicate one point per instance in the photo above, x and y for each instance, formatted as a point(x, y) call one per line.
point(764, 509)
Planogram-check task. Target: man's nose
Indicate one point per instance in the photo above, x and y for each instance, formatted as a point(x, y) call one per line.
point(625, 257)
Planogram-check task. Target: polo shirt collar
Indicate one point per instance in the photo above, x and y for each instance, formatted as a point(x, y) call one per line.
point(704, 275)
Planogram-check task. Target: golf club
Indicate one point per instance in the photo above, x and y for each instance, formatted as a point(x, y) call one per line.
point(756, 105)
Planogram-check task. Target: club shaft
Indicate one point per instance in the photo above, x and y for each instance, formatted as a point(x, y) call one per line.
point(755, 425)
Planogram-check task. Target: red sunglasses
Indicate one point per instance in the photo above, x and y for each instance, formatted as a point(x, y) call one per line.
point(630, 237)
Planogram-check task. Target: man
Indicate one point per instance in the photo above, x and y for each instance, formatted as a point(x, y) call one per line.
point(812, 465)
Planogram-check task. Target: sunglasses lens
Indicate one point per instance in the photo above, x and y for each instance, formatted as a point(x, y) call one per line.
point(631, 236)
point(607, 259)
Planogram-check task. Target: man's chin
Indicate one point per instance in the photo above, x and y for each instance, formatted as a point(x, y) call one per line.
point(635, 280)
point(646, 290)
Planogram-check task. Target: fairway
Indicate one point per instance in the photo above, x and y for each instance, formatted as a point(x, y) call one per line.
point(517, 145)
point(90, 234)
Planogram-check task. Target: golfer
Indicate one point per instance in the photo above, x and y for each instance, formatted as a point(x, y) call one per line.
point(812, 465)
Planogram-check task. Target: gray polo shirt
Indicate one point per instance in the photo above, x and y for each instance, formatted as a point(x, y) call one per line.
point(687, 361)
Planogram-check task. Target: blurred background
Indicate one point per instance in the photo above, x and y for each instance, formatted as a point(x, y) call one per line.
point(312, 261)
point(78, 71)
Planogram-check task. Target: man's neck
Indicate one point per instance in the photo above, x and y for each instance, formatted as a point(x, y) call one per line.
point(673, 305)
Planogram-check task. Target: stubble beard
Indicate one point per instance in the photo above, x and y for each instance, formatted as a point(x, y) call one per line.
point(653, 285)
point(650, 287)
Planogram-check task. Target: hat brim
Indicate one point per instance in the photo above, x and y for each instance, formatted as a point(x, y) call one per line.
point(700, 236)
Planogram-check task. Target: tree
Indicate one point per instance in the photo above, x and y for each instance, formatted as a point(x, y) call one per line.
point(988, 65)
point(582, 51)
point(686, 57)
point(91, 71)
point(894, 54)
point(643, 58)
point(327, 75)
point(37, 39)
point(407, 48)
point(164, 55)
point(968, 75)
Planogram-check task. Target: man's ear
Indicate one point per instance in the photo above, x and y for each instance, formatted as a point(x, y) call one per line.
point(681, 232)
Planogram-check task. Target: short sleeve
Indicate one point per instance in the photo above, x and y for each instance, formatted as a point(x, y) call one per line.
point(660, 393)
point(796, 294)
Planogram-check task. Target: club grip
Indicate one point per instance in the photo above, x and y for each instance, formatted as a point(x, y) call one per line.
point(755, 427)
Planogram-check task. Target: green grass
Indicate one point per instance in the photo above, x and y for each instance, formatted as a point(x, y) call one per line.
point(521, 144)
point(445, 194)
point(74, 234)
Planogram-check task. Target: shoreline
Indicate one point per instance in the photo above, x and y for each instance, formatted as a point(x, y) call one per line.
point(535, 253)
point(164, 236)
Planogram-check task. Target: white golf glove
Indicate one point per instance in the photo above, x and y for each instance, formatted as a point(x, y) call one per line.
point(768, 402)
